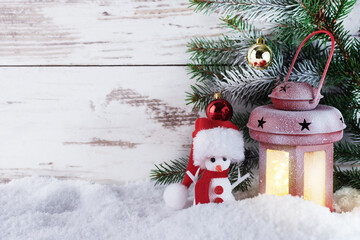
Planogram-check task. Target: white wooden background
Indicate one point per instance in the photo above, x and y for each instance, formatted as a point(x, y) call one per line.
point(95, 89)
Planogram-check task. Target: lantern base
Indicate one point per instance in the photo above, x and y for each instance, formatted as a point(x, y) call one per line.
point(304, 171)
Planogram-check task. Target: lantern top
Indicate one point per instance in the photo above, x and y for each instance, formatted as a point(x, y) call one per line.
point(322, 119)
point(294, 91)
point(296, 96)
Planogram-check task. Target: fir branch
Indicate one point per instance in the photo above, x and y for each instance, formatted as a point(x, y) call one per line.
point(201, 72)
point(250, 86)
point(340, 9)
point(269, 10)
point(306, 71)
point(314, 11)
point(345, 152)
point(220, 51)
point(166, 173)
point(337, 75)
point(247, 84)
point(241, 27)
point(326, 20)
point(353, 126)
point(290, 31)
point(247, 90)
point(340, 98)
point(341, 36)
point(251, 159)
point(201, 96)
point(236, 83)
point(241, 120)
point(350, 178)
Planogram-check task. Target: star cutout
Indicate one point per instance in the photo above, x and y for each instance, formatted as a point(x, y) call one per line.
point(342, 120)
point(284, 88)
point(305, 125)
point(261, 122)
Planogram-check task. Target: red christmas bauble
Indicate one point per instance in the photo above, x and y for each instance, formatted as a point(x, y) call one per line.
point(219, 109)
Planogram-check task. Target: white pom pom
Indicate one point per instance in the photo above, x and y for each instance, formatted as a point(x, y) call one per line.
point(346, 199)
point(175, 196)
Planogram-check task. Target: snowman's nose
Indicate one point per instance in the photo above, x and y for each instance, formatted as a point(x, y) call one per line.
point(218, 168)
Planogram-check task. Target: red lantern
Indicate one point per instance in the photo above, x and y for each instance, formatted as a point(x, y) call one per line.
point(296, 137)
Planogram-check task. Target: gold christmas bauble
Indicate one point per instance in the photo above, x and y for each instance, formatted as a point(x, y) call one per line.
point(259, 55)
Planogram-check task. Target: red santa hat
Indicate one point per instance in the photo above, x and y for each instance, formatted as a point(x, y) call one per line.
point(211, 138)
point(217, 139)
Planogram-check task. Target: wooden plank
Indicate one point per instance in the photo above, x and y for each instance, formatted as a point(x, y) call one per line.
point(131, 32)
point(99, 32)
point(102, 124)
point(352, 22)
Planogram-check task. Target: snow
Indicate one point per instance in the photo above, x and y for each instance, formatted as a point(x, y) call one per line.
point(175, 196)
point(48, 208)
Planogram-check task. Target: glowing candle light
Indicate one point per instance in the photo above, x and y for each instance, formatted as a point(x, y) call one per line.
point(277, 172)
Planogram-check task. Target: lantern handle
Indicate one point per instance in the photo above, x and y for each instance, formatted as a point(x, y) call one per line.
point(317, 95)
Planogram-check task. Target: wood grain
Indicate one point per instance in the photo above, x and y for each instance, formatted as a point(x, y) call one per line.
point(84, 32)
point(107, 32)
point(92, 123)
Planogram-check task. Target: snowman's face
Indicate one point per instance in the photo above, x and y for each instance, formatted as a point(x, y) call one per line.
point(217, 164)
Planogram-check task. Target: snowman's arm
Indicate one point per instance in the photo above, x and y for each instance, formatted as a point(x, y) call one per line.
point(192, 177)
point(239, 180)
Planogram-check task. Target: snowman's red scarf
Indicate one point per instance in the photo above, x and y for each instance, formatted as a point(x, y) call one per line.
point(203, 185)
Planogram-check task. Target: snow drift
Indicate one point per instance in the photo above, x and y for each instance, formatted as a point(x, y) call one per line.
point(47, 208)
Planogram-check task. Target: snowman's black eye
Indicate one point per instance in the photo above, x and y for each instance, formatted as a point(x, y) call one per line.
point(224, 159)
point(212, 159)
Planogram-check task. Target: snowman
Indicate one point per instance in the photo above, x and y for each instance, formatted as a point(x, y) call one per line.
point(214, 185)
point(215, 145)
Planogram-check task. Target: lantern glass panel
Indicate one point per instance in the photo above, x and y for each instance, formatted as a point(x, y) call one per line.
point(314, 176)
point(277, 172)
